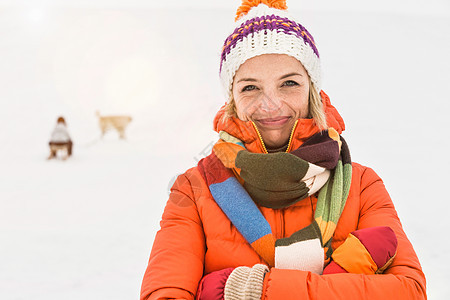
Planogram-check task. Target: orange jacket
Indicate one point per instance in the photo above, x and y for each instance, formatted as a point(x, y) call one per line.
point(197, 238)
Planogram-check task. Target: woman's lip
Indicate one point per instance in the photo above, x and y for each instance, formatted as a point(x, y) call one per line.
point(273, 121)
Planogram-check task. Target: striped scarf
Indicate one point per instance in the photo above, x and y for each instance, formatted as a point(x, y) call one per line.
point(239, 181)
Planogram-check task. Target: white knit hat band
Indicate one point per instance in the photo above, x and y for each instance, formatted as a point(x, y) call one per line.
point(270, 43)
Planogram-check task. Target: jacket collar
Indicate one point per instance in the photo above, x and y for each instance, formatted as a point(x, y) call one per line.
point(304, 128)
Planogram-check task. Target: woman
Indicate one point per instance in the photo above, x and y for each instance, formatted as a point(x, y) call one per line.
point(278, 209)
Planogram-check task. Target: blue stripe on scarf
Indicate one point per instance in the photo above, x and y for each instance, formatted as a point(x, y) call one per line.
point(235, 202)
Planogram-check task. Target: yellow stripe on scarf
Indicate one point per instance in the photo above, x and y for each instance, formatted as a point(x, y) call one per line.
point(326, 228)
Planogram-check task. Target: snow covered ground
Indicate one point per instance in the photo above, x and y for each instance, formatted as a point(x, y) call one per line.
point(83, 228)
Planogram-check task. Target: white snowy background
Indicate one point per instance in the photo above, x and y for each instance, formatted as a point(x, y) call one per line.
point(83, 228)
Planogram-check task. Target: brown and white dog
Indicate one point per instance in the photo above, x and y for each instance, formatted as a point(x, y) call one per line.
point(119, 123)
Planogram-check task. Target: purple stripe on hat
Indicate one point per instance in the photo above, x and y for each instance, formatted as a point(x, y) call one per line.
point(271, 22)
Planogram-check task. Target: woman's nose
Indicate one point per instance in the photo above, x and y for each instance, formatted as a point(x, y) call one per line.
point(270, 102)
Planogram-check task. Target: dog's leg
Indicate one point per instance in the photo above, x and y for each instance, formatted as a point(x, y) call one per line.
point(102, 128)
point(121, 133)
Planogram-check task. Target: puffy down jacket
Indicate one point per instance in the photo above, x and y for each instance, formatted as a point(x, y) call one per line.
point(197, 238)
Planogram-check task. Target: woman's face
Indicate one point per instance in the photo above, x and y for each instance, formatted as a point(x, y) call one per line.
point(272, 90)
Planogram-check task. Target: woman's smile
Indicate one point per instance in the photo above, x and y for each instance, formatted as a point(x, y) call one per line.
point(272, 122)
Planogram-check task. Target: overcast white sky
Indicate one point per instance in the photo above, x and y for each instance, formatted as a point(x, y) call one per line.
point(441, 7)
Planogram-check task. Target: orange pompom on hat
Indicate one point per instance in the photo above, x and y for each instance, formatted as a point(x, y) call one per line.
point(247, 5)
point(265, 27)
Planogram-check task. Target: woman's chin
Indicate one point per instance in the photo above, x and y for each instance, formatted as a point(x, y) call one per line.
point(275, 138)
point(275, 141)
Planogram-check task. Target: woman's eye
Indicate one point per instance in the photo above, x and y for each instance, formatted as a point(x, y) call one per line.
point(290, 83)
point(248, 88)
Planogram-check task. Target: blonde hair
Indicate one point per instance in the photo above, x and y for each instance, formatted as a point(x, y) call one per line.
point(315, 107)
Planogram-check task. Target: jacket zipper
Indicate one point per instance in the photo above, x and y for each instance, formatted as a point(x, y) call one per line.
point(280, 212)
point(279, 225)
point(290, 137)
point(260, 138)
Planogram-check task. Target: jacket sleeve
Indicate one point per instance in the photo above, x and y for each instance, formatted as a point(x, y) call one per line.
point(176, 261)
point(404, 278)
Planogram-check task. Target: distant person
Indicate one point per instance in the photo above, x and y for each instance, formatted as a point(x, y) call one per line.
point(278, 210)
point(60, 139)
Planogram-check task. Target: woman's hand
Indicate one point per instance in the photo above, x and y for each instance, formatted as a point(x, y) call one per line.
point(365, 251)
point(212, 286)
point(234, 283)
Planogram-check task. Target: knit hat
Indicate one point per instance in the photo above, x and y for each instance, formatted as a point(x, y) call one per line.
point(265, 27)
